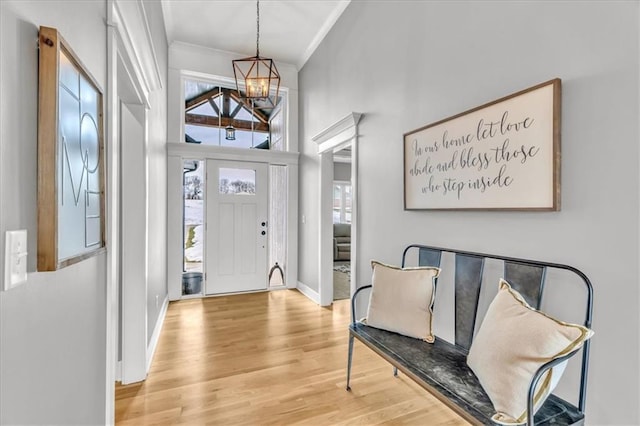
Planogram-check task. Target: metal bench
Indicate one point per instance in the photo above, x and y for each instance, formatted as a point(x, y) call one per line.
point(441, 367)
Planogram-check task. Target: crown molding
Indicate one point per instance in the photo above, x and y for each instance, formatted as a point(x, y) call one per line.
point(339, 133)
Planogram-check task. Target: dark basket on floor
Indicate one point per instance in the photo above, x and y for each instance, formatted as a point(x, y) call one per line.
point(191, 282)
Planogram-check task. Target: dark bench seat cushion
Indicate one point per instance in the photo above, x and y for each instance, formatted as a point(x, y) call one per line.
point(441, 368)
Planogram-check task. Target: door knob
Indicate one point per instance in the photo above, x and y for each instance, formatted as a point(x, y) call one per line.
point(263, 232)
point(264, 223)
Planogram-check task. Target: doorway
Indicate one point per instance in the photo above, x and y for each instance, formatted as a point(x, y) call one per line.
point(341, 215)
point(343, 133)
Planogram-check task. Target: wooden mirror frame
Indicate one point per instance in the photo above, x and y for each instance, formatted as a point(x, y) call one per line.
point(53, 155)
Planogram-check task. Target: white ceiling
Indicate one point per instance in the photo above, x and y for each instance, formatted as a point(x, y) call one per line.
point(290, 30)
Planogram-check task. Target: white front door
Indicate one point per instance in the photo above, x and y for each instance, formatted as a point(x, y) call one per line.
point(236, 226)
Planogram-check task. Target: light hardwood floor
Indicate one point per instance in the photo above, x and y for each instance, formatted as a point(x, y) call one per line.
point(269, 358)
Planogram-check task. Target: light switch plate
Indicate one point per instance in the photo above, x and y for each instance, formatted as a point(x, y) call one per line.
point(15, 258)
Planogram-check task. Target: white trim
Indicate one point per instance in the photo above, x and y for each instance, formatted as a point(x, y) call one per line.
point(194, 150)
point(205, 78)
point(127, 51)
point(112, 219)
point(340, 158)
point(153, 344)
point(118, 377)
point(309, 292)
point(205, 50)
point(337, 136)
point(323, 31)
point(325, 230)
point(134, 242)
point(174, 226)
point(292, 226)
point(3, 99)
point(132, 28)
point(155, 67)
point(168, 20)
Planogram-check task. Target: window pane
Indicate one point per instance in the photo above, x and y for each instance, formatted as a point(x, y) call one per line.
point(194, 88)
point(193, 230)
point(237, 181)
point(336, 215)
point(211, 107)
point(244, 114)
point(245, 139)
point(341, 203)
point(203, 134)
point(337, 197)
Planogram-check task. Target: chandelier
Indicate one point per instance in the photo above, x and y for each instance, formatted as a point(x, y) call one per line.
point(259, 75)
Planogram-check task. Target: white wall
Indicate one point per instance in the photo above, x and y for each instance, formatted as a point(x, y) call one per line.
point(157, 173)
point(407, 64)
point(52, 329)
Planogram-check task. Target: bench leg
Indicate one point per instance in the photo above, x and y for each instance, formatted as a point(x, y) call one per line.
point(349, 358)
point(395, 371)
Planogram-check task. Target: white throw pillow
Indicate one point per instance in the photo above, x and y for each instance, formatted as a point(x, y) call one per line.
point(513, 342)
point(402, 300)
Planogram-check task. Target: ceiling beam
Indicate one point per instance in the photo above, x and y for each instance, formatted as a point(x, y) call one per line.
point(256, 112)
point(236, 110)
point(214, 106)
point(210, 95)
point(205, 120)
point(202, 98)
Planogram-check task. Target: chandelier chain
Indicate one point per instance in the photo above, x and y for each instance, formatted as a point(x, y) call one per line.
point(257, 27)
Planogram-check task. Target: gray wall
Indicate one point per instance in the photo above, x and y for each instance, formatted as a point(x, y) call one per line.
point(342, 171)
point(407, 64)
point(157, 173)
point(52, 329)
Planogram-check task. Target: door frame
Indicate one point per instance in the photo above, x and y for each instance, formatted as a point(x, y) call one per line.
point(129, 78)
point(336, 137)
point(133, 300)
point(180, 151)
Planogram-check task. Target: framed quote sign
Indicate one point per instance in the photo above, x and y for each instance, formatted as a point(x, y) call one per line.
point(70, 157)
point(504, 155)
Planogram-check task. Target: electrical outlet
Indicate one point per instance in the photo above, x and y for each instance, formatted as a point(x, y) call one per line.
point(15, 265)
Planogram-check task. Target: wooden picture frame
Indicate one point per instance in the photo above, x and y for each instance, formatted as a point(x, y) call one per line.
point(503, 155)
point(71, 204)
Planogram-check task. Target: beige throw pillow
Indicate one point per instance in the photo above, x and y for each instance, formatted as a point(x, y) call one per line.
point(402, 300)
point(513, 342)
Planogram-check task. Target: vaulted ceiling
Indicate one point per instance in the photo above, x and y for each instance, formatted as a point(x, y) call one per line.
point(290, 30)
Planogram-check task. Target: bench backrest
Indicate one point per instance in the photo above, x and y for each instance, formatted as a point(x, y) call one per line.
point(525, 276)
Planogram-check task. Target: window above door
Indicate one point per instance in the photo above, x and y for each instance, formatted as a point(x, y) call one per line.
point(211, 109)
